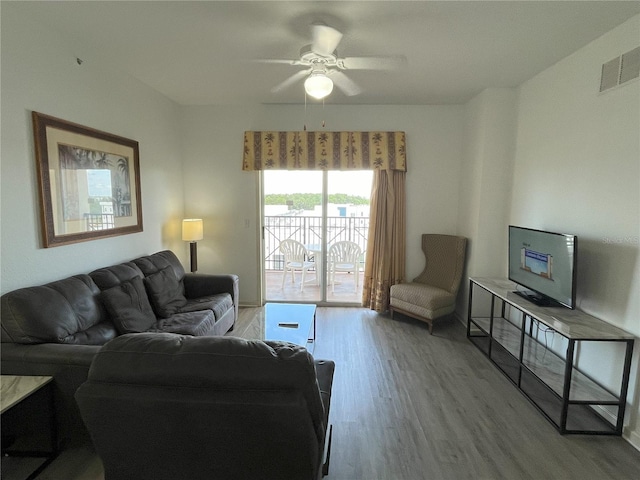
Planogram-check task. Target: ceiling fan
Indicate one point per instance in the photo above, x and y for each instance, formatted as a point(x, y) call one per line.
point(325, 67)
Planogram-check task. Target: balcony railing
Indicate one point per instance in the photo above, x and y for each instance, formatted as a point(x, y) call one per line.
point(308, 231)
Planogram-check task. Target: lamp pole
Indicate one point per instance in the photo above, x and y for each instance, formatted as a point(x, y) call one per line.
point(192, 231)
point(193, 247)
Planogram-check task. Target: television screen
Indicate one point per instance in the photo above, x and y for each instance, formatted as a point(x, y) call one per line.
point(545, 263)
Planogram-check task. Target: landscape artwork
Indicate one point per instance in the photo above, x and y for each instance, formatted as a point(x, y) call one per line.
point(89, 182)
point(105, 177)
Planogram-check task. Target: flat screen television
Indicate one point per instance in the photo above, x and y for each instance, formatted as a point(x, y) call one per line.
point(544, 263)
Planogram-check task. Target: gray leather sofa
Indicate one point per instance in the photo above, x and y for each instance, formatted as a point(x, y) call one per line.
point(163, 407)
point(58, 328)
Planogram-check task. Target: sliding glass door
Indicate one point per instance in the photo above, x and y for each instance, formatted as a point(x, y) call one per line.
point(315, 211)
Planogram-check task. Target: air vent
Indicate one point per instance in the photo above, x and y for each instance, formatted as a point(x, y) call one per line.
point(620, 70)
point(610, 74)
point(630, 65)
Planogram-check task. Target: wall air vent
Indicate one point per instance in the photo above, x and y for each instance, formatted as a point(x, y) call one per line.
point(610, 74)
point(620, 70)
point(630, 65)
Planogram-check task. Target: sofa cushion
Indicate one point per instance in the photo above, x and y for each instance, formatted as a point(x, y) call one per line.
point(198, 324)
point(151, 264)
point(114, 275)
point(54, 313)
point(165, 292)
point(421, 299)
point(218, 303)
point(129, 306)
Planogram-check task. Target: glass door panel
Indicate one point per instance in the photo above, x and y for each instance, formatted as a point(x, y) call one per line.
point(348, 203)
point(292, 203)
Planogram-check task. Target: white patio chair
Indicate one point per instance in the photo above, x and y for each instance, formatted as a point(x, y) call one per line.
point(344, 257)
point(296, 257)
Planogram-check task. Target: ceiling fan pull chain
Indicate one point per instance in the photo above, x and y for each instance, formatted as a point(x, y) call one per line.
point(305, 112)
point(323, 113)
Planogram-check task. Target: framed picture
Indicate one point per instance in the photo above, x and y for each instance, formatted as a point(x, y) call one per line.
point(89, 182)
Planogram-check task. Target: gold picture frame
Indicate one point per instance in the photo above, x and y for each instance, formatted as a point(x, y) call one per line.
point(88, 180)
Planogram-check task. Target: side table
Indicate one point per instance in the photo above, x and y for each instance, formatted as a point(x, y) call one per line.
point(28, 423)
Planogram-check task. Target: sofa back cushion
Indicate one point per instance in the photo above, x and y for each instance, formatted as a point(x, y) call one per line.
point(165, 292)
point(129, 307)
point(109, 277)
point(151, 264)
point(219, 363)
point(64, 311)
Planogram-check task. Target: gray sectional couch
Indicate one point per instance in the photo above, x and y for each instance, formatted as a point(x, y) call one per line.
point(57, 329)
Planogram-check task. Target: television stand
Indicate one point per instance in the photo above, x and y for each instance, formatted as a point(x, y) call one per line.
point(511, 332)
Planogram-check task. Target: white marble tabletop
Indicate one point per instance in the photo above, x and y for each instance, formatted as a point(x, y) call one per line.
point(15, 388)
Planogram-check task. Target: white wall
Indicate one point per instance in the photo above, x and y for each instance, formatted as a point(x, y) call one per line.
point(225, 196)
point(485, 185)
point(577, 170)
point(40, 73)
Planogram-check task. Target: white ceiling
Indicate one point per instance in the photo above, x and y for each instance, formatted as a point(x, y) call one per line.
point(201, 52)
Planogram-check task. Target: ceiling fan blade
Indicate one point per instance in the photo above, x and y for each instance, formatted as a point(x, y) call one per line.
point(280, 61)
point(290, 81)
point(391, 62)
point(325, 39)
point(344, 83)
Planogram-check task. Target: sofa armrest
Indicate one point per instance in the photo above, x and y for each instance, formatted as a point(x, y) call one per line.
point(45, 358)
point(324, 373)
point(67, 364)
point(200, 285)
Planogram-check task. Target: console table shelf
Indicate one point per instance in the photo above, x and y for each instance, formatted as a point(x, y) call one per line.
point(511, 331)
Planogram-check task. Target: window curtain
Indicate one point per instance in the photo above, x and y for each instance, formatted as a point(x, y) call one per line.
point(385, 258)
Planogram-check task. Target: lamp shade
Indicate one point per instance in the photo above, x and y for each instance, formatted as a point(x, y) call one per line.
point(318, 85)
point(192, 229)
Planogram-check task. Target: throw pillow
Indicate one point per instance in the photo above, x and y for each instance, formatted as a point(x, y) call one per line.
point(165, 292)
point(129, 307)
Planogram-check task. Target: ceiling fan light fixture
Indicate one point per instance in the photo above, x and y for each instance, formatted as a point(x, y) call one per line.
point(318, 85)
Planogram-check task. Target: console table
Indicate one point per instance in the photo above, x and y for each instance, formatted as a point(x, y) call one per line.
point(511, 331)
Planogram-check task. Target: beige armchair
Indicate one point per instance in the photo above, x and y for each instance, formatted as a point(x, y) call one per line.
point(432, 294)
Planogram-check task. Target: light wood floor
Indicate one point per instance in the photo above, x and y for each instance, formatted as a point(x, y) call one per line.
point(407, 405)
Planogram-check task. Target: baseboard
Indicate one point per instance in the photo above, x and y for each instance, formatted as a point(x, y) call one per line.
point(632, 437)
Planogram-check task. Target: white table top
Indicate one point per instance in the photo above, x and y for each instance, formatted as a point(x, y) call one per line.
point(15, 388)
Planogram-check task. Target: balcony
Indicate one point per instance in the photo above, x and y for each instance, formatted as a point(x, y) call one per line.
point(308, 231)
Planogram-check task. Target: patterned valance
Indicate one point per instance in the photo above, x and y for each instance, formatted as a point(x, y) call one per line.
point(324, 151)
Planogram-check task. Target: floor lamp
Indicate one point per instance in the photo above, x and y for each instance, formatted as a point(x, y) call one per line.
point(192, 231)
